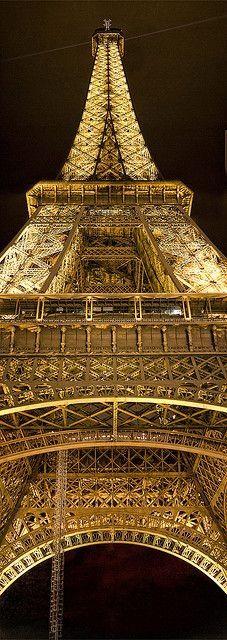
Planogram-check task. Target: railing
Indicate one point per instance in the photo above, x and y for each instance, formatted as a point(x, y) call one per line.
point(110, 193)
point(112, 308)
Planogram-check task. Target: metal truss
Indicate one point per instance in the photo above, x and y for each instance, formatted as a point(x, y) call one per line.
point(20, 443)
point(109, 143)
point(69, 248)
point(71, 379)
point(119, 534)
point(110, 193)
point(32, 258)
point(28, 381)
point(141, 347)
point(113, 353)
point(173, 428)
point(117, 488)
point(57, 571)
point(195, 262)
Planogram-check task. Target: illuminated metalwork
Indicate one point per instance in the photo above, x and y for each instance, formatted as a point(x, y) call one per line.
point(57, 571)
point(113, 348)
point(117, 489)
point(109, 144)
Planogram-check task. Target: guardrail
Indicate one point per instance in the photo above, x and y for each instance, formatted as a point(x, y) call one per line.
point(103, 308)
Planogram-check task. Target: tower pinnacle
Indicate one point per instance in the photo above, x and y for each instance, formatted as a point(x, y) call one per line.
point(109, 143)
point(107, 24)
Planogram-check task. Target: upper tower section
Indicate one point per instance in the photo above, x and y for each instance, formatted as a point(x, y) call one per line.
point(109, 144)
point(108, 35)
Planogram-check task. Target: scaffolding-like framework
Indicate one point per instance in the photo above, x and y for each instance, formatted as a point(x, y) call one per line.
point(57, 570)
point(113, 355)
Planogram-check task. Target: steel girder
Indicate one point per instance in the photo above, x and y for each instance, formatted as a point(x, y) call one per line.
point(47, 253)
point(151, 493)
point(131, 384)
point(109, 143)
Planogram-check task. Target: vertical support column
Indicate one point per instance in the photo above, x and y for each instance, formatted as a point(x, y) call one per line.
point(63, 332)
point(214, 337)
point(164, 338)
point(139, 339)
point(189, 338)
point(139, 275)
point(57, 570)
point(138, 308)
point(37, 342)
point(115, 416)
point(12, 337)
point(114, 339)
point(88, 339)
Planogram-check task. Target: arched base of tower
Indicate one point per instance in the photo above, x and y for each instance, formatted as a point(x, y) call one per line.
point(77, 539)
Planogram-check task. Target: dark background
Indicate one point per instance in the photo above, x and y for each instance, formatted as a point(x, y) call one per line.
point(177, 81)
point(118, 591)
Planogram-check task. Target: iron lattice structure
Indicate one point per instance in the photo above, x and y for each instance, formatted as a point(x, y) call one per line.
point(113, 349)
point(57, 573)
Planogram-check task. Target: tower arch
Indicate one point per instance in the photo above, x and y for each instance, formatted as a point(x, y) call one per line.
point(149, 539)
point(113, 348)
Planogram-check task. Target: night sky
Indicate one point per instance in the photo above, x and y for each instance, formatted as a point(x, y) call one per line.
point(118, 591)
point(177, 81)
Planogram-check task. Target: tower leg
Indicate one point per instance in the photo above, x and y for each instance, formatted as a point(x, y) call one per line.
point(57, 570)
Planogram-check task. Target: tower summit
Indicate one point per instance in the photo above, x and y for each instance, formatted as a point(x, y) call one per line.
point(113, 342)
point(110, 164)
point(109, 144)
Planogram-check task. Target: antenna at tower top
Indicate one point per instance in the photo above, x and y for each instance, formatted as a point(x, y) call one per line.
point(107, 24)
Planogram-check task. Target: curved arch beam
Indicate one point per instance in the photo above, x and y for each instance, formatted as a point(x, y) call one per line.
point(157, 541)
point(74, 439)
point(110, 400)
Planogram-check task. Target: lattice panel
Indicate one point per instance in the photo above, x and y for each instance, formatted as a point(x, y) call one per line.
point(104, 278)
point(197, 378)
point(194, 261)
point(106, 217)
point(32, 256)
point(159, 275)
point(134, 532)
point(136, 157)
point(213, 480)
point(132, 387)
point(28, 432)
point(125, 460)
point(46, 254)
point(66, 279)
point(122, 487)
point(13, 480)
point(109, 143)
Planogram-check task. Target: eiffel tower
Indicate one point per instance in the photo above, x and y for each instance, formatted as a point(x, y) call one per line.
point(113, 341)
